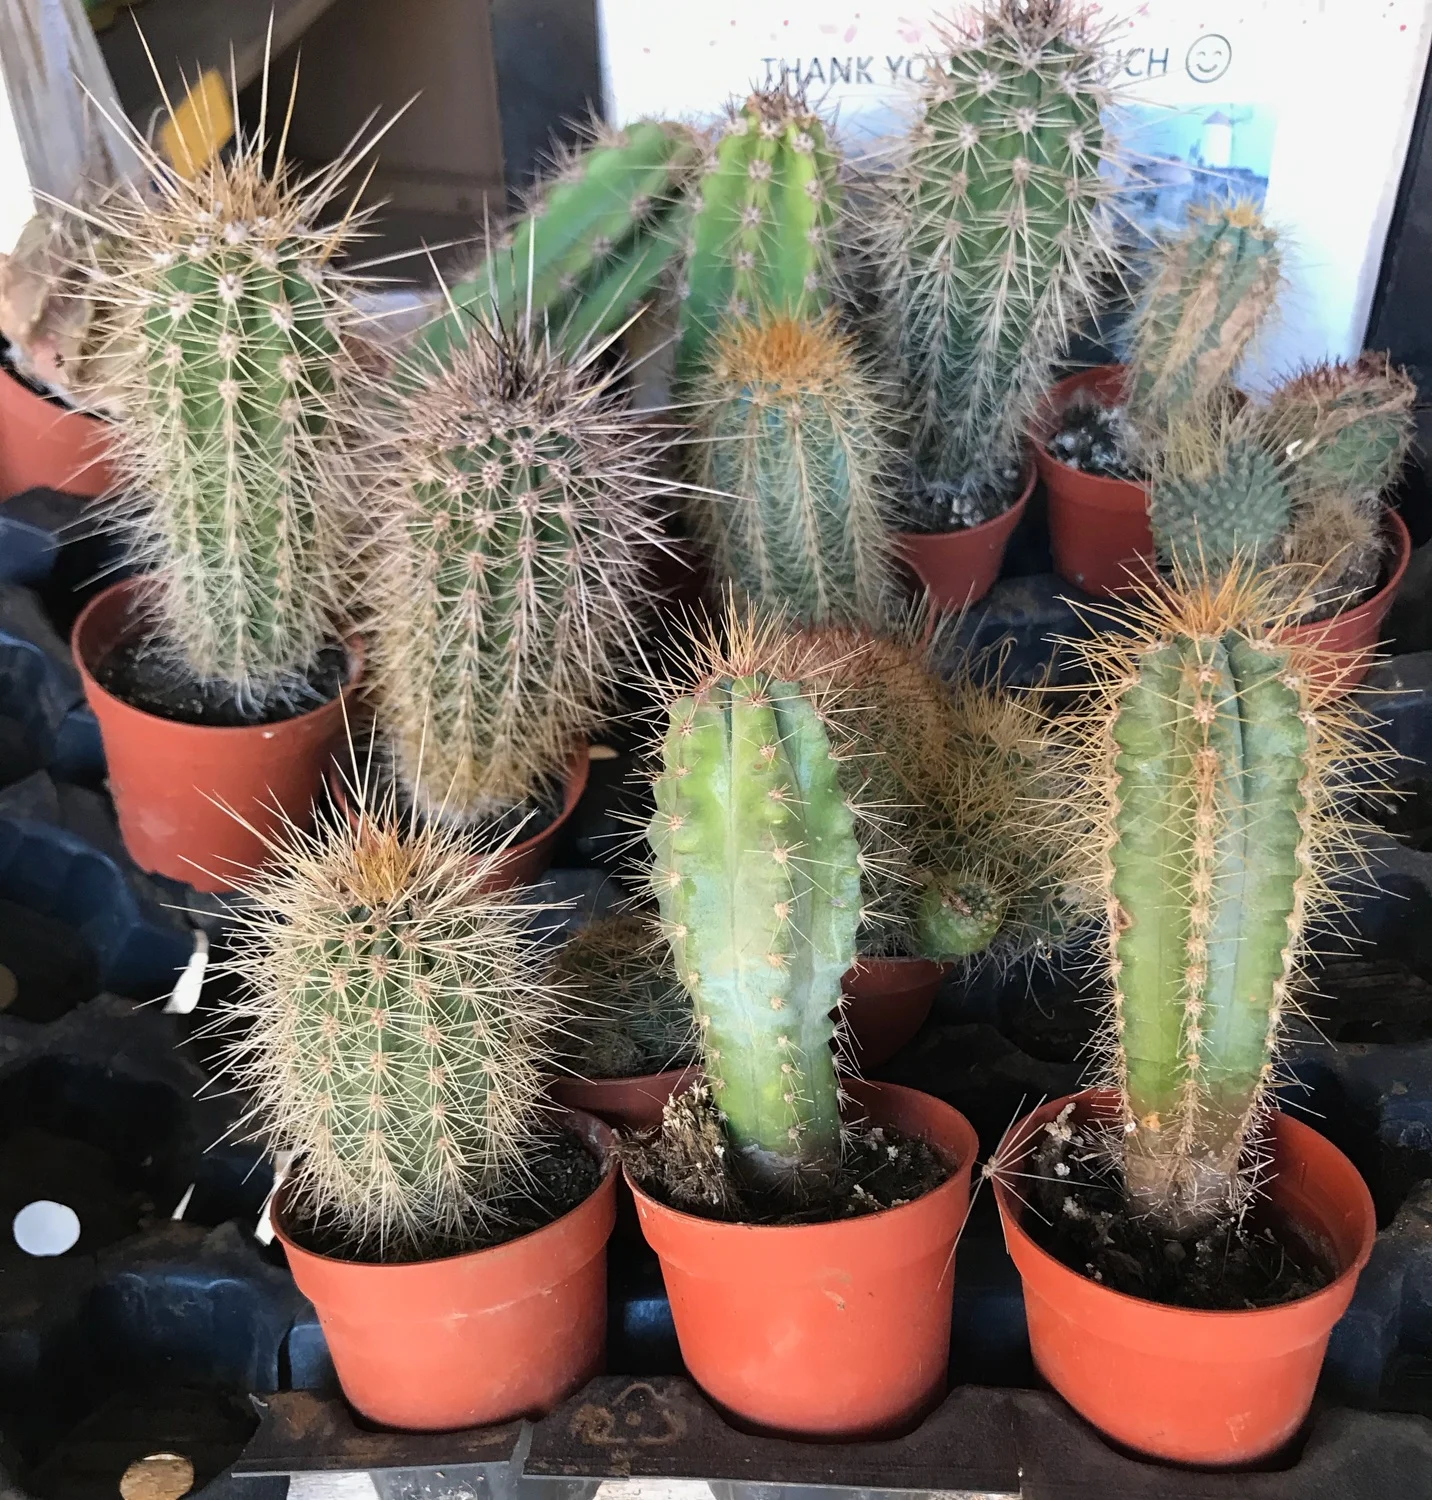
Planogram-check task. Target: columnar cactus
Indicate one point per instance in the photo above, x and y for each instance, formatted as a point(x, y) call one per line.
point(228, 360)
point(793, 459)
point(1221, 770)
point(1207, 293)
point(596, 238)
point(513, 499)
point(760, 238)
point(394, 1029)
point(992, 240)
point(756, 871)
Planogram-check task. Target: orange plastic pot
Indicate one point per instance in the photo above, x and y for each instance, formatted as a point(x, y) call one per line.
point(838, 1330)
point(628, 1103)
point(1213, 1388)
point(958, 568)
point(475, 1339)
point(1353, 634)
point(1098, 527)
point(177, 787)
point(886, 1002)
point(529, 859)
point(45, 444)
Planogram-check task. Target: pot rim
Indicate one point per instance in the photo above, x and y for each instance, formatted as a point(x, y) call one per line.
point(1008, 516)
point(576, 1080)
point(596, 1136)
point(351, 641)
point(1012, 1210)
point(884, 1217)
point(1040, 427)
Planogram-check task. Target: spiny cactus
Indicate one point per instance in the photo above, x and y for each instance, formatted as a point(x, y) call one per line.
point(795, 448)
point(230, 359)
point(760, 237)
point(1334, 551)
point(993, 239)
point(633, 1016)
point(1217, 492)
point(1206, 295)
point(1217, 774)
point(513, 499)
point(394, 1027)
point(756, 871)
point(595, 239)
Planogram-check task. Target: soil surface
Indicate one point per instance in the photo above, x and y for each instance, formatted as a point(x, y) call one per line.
point(563, 1176)
point(1258, 1261)
point(145, 675)
point(1095, 439)
point(939, 507)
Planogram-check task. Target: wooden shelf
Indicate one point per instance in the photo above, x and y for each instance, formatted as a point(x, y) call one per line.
point(189, 36)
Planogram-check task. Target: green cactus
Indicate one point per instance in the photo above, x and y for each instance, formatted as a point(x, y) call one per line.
point(760, 238)
point(1206, 295)
point(992, 240)
point(756, 871)
point(514, 516)
point(791, 466)
point(596, 237)
point(1221, 768)
point(390, 1030)
point(633, 1016)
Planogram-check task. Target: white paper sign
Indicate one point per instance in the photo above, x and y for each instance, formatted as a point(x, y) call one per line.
point(1306, 103)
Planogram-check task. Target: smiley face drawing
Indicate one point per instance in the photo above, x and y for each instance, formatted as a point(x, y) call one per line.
point(1209, 57)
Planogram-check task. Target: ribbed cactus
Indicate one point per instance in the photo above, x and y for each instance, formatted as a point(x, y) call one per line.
point(1219, 773)
point(595, 239)
point(1207, 293)
point(1217, 491)
point(992, 240)
point(632, 1015)
point(756, 871)
point(794, 457)
point(394, 1029)
point(761, 235)
point(512, 496)
point(229, 363)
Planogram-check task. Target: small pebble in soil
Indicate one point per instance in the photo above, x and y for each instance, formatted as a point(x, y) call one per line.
point(1096, 439)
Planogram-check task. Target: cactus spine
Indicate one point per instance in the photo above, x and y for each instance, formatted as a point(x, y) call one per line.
point(795, 449)
point(1224, 769)
point(391, 1031)
point(760, 238)
point(514, 502)
point(228, 362)
point(992, 242)
point(1207, 294)
point(756, 871)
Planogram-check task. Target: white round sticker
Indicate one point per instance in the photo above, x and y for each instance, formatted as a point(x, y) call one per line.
point(46, 1228)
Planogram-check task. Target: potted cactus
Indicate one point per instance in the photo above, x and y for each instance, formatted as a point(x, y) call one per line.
point(783, 1242)
point(219, 676)
point(1189, 1248)
point(1096, 434)
point(991, 238)
point(393, 1028)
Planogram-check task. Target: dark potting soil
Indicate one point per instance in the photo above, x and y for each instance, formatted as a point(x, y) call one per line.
point(1258, 1261)
point(563, 1175)
point(145, 675)
point(937, 506)
point(687, 1166)
point(1095, 439)
point(51, 967)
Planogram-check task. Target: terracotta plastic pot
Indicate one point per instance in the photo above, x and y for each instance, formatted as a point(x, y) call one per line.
point(172, 783)
point(838, 1330)
point(958, 568)
point(529, 859)
point(628, 1103)
point(1354, 632)
point(1212, 1388)
point(886, 1002)
point(45, 444)
point(476, 1339)
point(1098, 527)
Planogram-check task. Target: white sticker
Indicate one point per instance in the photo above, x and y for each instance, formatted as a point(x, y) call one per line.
point(190, 984)
point(46, 1228)
point(263, 1231)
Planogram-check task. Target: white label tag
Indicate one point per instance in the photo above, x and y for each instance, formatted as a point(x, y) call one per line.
point(190, 984)
point(348, 1486)
point(653, 1489)
point(263, 1231)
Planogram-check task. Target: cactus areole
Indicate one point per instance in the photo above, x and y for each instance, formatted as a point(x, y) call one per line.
point(756, 870)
